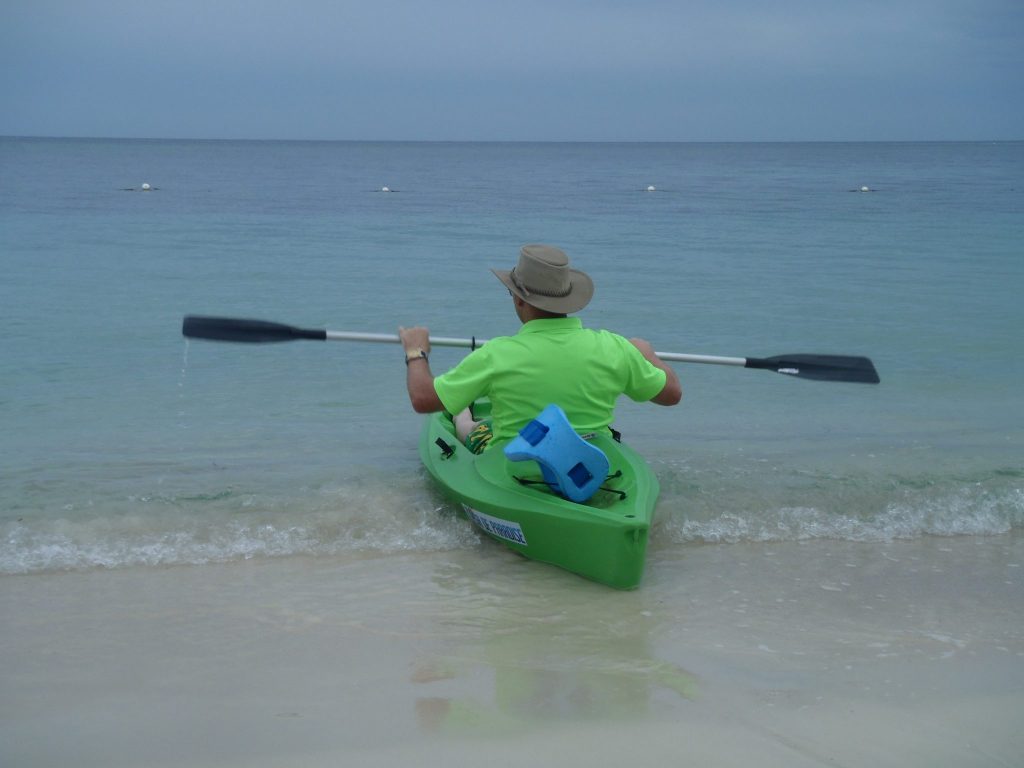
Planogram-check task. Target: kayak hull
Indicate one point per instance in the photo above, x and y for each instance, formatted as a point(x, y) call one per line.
point(604, 539)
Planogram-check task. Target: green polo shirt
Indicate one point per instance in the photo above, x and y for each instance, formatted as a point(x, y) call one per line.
point(550, 361)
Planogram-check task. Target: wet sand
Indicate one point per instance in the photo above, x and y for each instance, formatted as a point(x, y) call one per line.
point(798, 654)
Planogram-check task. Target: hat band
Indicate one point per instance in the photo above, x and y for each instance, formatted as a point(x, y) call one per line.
point(526, 291)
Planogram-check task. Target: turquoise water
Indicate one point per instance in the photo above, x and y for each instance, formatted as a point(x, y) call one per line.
point(124, 444)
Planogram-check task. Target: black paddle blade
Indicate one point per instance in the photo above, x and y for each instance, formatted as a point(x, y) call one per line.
point(859, 370)
point(246, 331)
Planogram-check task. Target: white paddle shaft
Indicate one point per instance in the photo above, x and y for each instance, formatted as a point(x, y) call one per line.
point(447, 341)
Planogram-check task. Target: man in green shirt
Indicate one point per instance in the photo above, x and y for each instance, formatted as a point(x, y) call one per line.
point(552, 359)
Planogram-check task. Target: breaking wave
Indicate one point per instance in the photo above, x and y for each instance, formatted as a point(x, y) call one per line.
point(229, 525)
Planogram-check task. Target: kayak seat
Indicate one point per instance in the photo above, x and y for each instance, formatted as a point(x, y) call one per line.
point(571, 466)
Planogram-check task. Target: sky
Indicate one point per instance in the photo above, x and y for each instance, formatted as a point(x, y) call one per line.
point(514, 70)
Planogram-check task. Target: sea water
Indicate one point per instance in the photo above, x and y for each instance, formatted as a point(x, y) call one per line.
point(125, 444)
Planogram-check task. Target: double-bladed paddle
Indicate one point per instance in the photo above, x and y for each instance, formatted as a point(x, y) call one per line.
point(859, 370)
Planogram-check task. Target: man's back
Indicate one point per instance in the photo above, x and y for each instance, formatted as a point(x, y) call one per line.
point(549, 361)
point(552, 360)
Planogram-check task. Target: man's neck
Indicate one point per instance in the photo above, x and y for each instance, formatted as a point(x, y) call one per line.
point(532, 313)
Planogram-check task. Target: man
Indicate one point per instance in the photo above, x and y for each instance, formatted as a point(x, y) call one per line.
point(552, 359)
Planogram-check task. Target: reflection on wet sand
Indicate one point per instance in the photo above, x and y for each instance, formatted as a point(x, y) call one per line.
point(542, 658)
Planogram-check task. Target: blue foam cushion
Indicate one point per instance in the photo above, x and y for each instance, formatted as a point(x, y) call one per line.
point(570, 465)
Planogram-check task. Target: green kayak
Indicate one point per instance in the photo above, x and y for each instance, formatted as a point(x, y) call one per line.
point(603, 539)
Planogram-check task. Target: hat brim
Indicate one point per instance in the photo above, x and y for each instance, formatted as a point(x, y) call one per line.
point(582, 291)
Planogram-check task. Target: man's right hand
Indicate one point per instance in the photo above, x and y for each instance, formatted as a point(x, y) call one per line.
point(417, 337)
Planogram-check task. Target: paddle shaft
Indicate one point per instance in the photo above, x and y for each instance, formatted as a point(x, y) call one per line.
point(805, 366)
point(447, 341)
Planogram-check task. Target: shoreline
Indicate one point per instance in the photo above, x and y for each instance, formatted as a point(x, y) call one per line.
point(819, 653)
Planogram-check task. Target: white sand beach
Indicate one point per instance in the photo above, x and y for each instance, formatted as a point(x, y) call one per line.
point(798, 654)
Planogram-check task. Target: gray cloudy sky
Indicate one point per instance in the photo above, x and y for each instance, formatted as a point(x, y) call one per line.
point(646, 70)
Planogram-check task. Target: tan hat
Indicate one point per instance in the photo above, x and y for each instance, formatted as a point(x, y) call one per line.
point(542, 278)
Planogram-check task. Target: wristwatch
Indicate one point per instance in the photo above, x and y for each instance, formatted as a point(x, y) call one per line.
point(415, 354)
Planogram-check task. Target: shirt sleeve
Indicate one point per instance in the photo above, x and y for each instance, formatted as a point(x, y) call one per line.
point(459, 387)
point(644, 380)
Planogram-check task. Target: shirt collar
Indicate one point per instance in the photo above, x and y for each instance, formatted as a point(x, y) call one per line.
point(551, 324)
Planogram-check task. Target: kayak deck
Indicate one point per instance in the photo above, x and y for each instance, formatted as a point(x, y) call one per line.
point(604, 539)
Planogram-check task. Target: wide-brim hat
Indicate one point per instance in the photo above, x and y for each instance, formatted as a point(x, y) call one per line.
point(543, 279)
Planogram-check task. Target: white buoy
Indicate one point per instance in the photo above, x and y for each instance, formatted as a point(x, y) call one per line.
point(651, 188)
point(865, 189)
point(384, 189)
point(145, 187)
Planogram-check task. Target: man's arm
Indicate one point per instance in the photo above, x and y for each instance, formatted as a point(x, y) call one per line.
point(418, 378)
point(672, 392)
